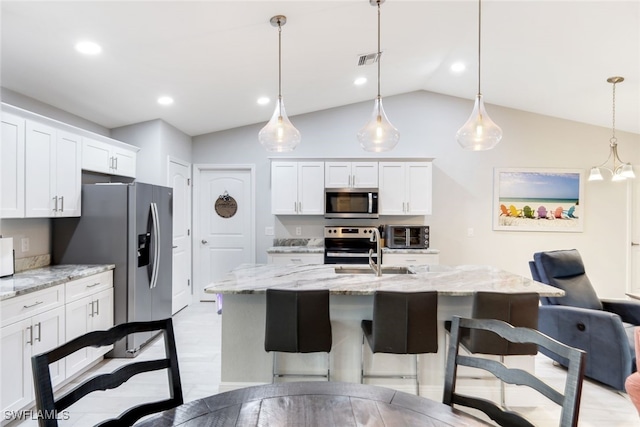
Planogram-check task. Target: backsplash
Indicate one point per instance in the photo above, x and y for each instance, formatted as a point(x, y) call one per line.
point(299, 242)
point(32, 262)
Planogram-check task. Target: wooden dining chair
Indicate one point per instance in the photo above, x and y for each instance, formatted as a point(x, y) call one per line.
point(52, 406)
point(569, 400)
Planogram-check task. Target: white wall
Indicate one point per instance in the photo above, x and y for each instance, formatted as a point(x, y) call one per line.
point(462, 181)
point(157, 140)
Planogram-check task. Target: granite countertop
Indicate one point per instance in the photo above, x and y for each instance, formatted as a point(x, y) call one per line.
point(447, 280)
point(41, 278)
point(409, 251)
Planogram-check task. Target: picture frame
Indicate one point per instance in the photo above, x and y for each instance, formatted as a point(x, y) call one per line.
point(538, 199)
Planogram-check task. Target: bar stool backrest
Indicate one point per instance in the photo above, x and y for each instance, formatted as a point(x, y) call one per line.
point(405, 323)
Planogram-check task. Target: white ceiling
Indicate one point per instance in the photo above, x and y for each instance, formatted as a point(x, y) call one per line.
point(217, 57)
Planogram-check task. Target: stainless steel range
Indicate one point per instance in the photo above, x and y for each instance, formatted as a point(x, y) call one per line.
point(348, 245)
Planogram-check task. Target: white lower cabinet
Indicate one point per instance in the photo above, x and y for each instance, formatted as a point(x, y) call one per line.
point(296, 258)
point(89, 308)
point(21, 340)
point(410, 259)
point(42, 320)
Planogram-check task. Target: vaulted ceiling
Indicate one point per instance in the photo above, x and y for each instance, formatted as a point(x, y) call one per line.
point(216, 58)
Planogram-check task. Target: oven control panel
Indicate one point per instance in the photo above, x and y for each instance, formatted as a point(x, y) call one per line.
point(348, 232)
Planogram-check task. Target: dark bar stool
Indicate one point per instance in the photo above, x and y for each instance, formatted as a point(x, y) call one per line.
point(298, 322)
point(517, 309)
point(403, 323)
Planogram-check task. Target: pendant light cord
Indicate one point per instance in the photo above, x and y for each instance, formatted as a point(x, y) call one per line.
point(379, 53)
point(613, 124)
point(479, 43)
point(279, 60)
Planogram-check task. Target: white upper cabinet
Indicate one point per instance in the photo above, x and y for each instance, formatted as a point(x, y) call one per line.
point(405, 188)
point(12, 166)
point(351, 174)
point(52, 171)
point(112, 159)
point(297, 188)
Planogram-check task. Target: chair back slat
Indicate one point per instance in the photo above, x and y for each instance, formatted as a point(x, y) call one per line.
point(569, 400)
point(47, 402)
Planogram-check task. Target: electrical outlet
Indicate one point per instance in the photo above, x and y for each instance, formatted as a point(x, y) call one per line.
point(25, 244)
point(298, 231)
point(268, 231)
point(470, 232)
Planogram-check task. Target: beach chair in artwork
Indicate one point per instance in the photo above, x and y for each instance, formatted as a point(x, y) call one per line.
point(504, 211)
point(542, 212)
point(514, 212)
point(528, 212)
point(571, 212)
point(558, 212)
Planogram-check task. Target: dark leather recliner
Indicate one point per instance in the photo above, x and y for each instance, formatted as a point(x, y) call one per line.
point(602, 328)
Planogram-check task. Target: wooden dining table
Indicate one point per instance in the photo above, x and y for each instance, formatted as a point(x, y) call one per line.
point(297, 404)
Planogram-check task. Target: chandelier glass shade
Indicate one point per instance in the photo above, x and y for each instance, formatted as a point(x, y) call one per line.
point(378, 134)
point(619, 170)
point(279, 134)
point(479, 132)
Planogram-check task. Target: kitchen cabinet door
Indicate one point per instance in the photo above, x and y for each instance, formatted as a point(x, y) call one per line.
point(15, 348)
point(297, 188)
point(284, 188)
point(351, 175)
point(418, 188)
point(391, 196)
point(78, 322)
point(405, 188)
point(48, 333)
point(12, 166)
point(52, 172)
point(68, 174)
point(103, 317)
point(311, 188)
point(111, 159)
point(40, 174)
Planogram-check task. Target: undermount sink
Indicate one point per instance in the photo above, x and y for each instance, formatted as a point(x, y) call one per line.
point(368, 270)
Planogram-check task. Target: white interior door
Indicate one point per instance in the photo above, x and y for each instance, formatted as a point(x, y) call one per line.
point(224, 241)
point(180, 181)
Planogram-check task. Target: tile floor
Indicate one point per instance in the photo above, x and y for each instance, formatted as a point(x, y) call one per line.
point(197, 330)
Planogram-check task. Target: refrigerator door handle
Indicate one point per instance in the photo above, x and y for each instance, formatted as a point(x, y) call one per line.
point(156, 245)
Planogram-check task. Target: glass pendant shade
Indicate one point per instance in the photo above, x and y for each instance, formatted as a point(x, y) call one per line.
point(279, 135)
point(627, 171)
point(479, 132)
point(595, 175)
point(378, 134)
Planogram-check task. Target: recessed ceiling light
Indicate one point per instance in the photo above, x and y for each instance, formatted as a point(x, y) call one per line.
point(360, 81)
point(458, 67)
point(165, 100)
point(88, 48)
point(263, 100)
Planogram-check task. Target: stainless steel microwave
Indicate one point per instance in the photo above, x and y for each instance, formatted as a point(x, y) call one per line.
point(406, 236)
point(351, 203)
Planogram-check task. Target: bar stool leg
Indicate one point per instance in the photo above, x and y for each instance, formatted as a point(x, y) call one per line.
point(362, 361)
point(417, 378)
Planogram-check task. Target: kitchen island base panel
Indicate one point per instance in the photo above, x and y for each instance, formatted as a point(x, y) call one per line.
point(245, 362)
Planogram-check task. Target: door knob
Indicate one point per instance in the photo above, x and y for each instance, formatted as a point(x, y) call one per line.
point(204, 242)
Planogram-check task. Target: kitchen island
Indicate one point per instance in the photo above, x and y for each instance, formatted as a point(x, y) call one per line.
point(244, 361)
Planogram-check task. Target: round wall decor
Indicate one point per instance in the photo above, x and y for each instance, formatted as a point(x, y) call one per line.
point(226, 206)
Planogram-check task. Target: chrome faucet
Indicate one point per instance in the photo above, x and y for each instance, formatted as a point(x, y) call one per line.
point(376, 267)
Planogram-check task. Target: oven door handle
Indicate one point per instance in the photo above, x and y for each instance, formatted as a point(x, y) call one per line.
point(348, 255)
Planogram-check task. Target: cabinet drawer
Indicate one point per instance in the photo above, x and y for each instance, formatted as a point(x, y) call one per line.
point(33, 303)
point(296, 258)
point(410, 259)
point(88, 285)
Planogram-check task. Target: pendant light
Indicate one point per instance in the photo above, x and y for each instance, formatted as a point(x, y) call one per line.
point(620, 170)
point(378, 134)
point(279, 135)
point(479, 132)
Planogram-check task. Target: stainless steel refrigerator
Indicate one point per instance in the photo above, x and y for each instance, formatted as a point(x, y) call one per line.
point(129, 225)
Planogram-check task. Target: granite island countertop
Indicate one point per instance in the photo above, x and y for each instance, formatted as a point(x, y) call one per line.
point(45, 277)
point(447, 280)
point(320, 250)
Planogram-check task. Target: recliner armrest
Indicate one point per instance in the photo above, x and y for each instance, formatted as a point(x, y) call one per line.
point(629, 311)
point(600, 333)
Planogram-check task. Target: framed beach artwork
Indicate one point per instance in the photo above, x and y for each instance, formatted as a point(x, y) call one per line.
point(538, 199)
